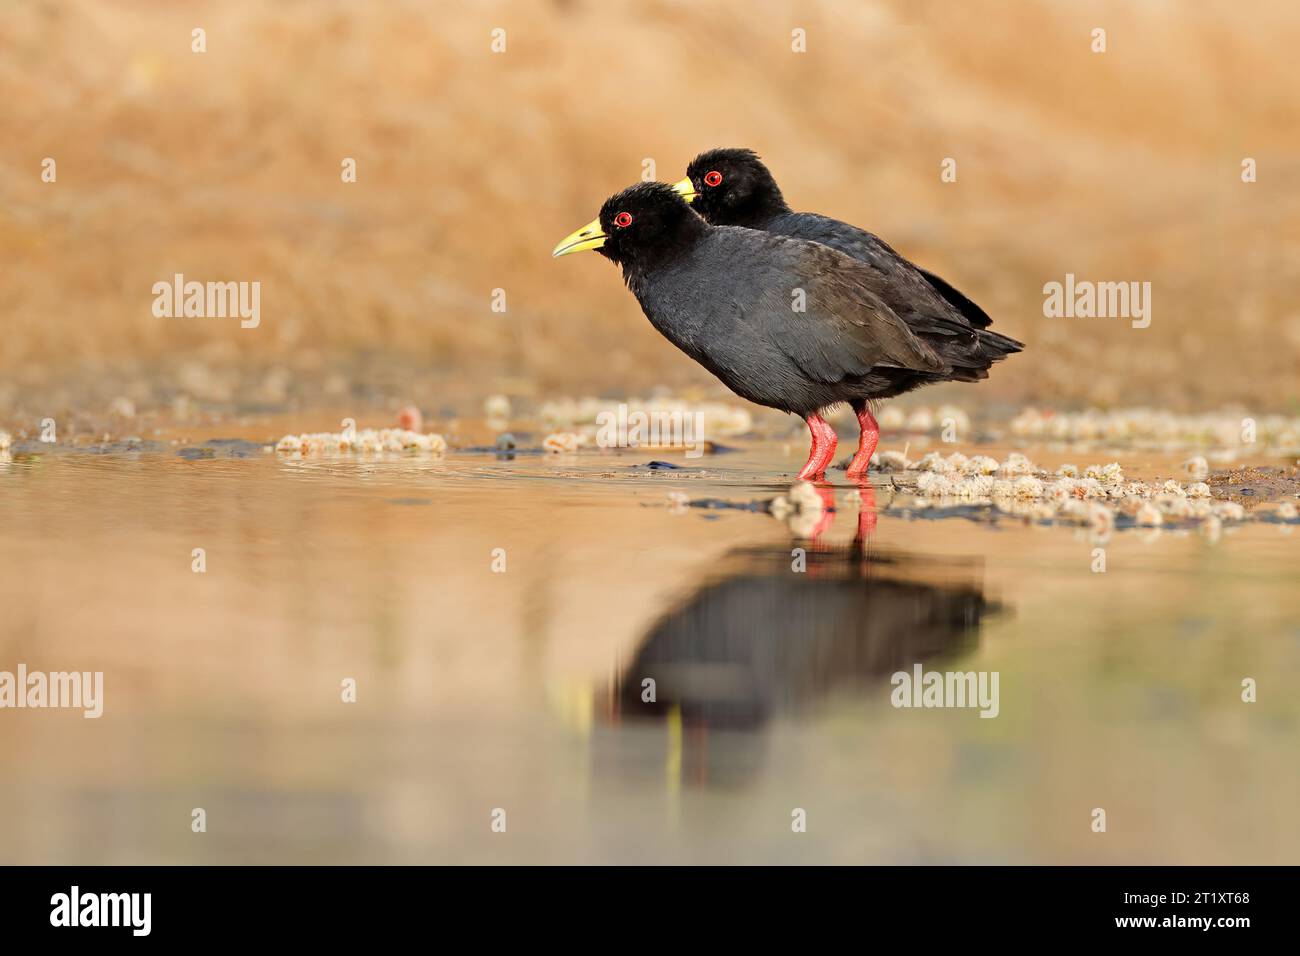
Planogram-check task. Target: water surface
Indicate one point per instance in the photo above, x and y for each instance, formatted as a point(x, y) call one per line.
point(480, 689)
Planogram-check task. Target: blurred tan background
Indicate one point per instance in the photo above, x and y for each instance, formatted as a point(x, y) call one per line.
point(226, 166)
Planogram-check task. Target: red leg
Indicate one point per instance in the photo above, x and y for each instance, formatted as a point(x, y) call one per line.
point(867, 444)
point(824, 441)
point(829, 442)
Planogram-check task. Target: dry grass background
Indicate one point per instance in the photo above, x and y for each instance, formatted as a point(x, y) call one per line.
point(1119, 166)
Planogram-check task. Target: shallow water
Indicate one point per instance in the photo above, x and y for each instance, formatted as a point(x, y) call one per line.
point(521, 690)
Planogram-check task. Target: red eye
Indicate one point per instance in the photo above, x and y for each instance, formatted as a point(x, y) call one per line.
point(713, 178)
point(623, 220)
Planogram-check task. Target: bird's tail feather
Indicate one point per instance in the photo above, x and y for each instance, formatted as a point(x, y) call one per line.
point(996, 344)
point(970, 359)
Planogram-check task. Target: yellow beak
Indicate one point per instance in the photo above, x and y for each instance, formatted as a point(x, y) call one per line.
point(685, 189)
point(580, 240)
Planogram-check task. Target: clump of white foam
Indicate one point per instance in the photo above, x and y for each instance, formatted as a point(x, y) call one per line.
point(1092, 497)
point(369, 441)
point(562, 443)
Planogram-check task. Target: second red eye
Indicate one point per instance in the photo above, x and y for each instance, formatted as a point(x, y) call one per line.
point(623, 220)
point(713, 178)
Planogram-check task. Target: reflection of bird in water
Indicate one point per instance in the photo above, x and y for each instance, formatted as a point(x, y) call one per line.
point(770, 639)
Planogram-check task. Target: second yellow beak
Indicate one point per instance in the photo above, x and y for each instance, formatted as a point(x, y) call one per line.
point(685, 189)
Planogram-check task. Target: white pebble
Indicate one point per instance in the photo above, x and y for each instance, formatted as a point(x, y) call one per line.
point(560, 442)
point(1148, 516)
point(1229, 510)
point(892, 460)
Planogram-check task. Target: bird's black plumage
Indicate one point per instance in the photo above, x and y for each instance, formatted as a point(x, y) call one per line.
point(746, 194)
point(783, 322)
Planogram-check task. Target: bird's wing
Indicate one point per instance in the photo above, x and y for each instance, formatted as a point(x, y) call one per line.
point(927, 295)
point(852, 241)
point(845, 329)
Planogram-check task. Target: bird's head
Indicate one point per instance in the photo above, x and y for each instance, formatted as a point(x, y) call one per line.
point(639, 227)
point(731, 187)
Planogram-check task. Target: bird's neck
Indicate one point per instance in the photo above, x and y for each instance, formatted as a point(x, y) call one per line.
point(671, 247)
point(761, 210)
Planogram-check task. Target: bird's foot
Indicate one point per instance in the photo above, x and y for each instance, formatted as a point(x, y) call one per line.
point(810, 472)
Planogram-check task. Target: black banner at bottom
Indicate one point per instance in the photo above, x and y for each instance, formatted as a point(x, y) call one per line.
point(332, 905)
